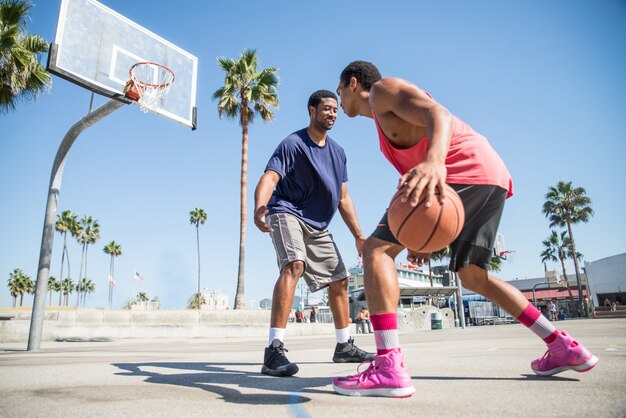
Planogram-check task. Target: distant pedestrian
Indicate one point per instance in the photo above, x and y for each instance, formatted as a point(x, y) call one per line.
point(363, 320)
point(553, 312)
point(313, 315)
point(292, 315)
point(299, 315)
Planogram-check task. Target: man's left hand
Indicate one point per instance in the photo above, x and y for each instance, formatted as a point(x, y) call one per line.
point(418, 258)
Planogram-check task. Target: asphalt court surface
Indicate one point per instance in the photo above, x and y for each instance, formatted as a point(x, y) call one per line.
point(479, 371)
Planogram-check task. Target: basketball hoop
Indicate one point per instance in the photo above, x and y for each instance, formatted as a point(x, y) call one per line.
point(149, 83)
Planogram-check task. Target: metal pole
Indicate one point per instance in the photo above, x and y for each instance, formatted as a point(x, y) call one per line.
point(534, 287)
point(459, 305)
point(47, 238)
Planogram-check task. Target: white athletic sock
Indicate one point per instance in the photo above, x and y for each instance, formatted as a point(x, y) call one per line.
point(276, 334)
point(343, 335)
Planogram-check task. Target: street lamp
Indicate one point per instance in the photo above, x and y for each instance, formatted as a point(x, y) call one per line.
point(538, 284)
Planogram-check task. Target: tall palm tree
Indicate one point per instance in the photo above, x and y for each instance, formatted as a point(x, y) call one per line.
point(247, 91)
point(67, 222)
point(114, 250)
point(198, 217)
point(566, 205)
point(53, 286)
point(22, 77)
point(89, 235)
point(557, 247)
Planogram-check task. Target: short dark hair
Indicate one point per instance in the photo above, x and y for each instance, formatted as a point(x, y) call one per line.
point(365, 72)
point(317, 97)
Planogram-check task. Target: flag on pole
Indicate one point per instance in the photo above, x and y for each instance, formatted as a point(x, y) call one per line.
point(111, 280)
point(138, 277)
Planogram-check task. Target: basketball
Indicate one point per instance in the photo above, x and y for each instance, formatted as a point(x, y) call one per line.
point(423, 229)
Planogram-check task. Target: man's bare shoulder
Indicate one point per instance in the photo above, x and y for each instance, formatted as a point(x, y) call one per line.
point(393, 85)
point(387, 92)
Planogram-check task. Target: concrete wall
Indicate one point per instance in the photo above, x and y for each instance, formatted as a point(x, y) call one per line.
point(98, 324)
point(420, 317)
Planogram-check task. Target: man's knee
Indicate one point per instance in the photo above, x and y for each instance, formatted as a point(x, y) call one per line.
point(376, 247)
point(370, 247)
point(474, 278)
point(339, 286)
point(293, 270)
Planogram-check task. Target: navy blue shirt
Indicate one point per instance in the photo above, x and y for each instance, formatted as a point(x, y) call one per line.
point(310, 179)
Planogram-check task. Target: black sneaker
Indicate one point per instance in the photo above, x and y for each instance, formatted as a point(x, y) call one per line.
point(350, 353)
point(276, 363)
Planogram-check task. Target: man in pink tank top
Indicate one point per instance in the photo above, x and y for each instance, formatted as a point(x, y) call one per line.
point(431, 147)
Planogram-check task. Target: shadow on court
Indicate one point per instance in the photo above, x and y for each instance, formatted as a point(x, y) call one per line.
point(220, 377)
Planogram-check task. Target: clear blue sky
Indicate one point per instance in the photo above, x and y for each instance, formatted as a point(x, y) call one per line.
point(544, 81)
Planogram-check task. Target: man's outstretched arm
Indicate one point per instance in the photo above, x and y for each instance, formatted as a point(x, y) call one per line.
point(348, 214)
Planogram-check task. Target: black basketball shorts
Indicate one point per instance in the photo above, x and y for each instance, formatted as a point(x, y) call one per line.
point(483, 206)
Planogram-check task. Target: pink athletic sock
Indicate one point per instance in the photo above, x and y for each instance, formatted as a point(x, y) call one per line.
point(385, 332)
point(538, 323)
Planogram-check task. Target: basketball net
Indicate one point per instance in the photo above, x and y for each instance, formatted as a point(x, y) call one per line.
point(149, 83)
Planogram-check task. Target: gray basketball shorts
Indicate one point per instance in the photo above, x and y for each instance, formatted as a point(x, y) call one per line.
point(483, 206)
point(295, 240)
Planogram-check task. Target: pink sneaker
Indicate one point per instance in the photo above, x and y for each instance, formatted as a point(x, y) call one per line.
point(564, 353)
point(386, 376)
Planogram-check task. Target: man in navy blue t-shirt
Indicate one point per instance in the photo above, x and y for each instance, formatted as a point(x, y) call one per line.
point(303, 186)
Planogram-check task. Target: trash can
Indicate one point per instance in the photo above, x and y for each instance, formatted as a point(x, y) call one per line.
point(435, 320)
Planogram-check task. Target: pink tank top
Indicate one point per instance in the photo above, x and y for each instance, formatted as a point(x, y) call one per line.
point(470, 159)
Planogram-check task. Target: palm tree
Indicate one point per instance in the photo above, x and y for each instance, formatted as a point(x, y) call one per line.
point(53, 286)
point(114, 250)
point(67, 287)
point(195, 298)
point(26, 286)
point(90, 234)
point(437, 256)
point(20, 283)
point(246, 93)
point(197, 217)
point(85, 286)
point(495, 263)
point(22, 77)
point(66, 222)
point(14, 284)
point(566, 205)
point(142, 297)
point(557, 248)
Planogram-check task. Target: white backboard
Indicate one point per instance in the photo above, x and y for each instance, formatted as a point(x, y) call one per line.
point(95, 47)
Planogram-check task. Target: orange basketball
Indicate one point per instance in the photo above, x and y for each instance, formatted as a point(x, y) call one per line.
point(423, 229)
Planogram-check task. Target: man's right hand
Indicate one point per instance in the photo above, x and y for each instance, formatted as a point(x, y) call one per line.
point(259, 219)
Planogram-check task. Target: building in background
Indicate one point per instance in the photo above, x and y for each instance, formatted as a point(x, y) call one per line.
point(607, 280)
point(541, 290)
point(215, 300)
point(415, 287)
